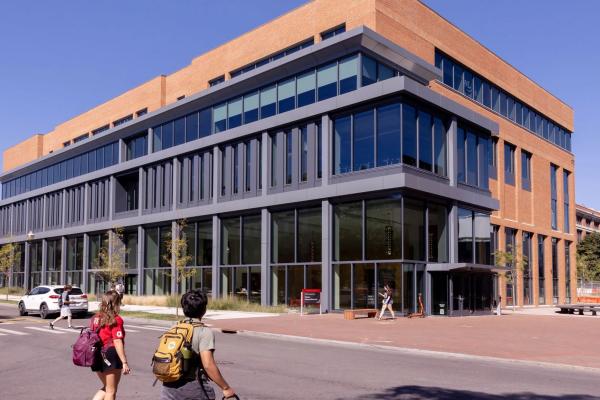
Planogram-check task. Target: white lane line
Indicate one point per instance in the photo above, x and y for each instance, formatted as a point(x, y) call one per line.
point(46, 330)
point(2, 334)
point(13, 332)
point(67, 329)
point(147, 328)
point(128, 330)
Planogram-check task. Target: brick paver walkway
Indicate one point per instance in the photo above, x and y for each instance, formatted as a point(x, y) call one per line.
point(553, 339)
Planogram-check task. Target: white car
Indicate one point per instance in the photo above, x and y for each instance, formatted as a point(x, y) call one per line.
point(43, 300)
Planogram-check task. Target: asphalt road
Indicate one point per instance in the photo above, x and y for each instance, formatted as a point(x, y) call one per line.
point(36, 364)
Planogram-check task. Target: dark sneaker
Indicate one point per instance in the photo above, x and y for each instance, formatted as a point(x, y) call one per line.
point(51, 325)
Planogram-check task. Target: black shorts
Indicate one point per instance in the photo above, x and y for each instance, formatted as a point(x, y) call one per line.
point(104, 358)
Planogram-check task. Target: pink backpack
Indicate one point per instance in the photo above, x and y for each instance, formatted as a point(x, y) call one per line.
point(86, 348)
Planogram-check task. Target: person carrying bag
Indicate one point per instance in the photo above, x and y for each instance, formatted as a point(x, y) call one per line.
point(184, 360)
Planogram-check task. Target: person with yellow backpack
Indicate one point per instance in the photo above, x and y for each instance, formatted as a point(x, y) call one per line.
point(184, 360)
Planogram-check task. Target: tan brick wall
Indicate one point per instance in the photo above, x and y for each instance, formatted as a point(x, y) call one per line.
point(27, 150)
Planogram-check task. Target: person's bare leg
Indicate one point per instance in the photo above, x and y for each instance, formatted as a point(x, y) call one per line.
point(55, 321)
point(391, 311)
point(382, 311)
point(102, 392)
point(70, 318)
point(112, 383)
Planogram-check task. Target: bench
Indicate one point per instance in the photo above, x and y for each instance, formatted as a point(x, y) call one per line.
point(580, 308)
point(363, 312)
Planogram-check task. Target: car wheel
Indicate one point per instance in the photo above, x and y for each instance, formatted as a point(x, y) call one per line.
point(44, 311)
point(22, 309)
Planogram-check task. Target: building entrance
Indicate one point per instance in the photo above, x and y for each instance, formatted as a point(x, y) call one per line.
point(471, 292)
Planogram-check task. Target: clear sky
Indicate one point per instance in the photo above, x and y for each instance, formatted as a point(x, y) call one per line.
point(61, 58)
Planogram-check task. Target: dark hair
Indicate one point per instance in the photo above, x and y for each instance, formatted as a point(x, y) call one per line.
point(194, 303)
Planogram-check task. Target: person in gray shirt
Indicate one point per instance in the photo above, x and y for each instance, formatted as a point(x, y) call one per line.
point(65, 310)
point(197, 386)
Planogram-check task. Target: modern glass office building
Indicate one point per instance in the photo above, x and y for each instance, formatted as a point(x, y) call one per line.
point(343, 161)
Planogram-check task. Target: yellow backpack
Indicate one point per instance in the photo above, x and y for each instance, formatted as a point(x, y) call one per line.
point(174, 358)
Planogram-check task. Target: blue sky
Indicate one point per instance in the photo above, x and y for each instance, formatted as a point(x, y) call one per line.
point(60, 58)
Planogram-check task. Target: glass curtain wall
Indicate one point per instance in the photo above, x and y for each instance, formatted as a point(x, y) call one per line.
point(541, 271)
point(527, 272)
point(18, 272)
point(198, 236)
point(96, 284)
point(389, 134)
point(157, 269)
point(295, 254)
point(374, 239)
point(240, 258)
point(53, 261)
point(35, 264)
point(554, 271)
point(74, 261)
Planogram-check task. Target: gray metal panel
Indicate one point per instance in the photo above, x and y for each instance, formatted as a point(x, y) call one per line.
point(216, 256)
point(140, 259)
point(265, 259)
point(326, 254)
point(86, 262)
point(63, 260)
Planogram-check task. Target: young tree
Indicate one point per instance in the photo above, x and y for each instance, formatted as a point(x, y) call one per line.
point(588, 257)
point(112, 257)
point(177, 255)
point(515, 262)
point(10, 256)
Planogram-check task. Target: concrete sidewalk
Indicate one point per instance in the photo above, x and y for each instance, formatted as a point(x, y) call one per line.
point(548, 339)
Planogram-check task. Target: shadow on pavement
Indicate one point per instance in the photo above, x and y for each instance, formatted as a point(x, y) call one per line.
point(436, 393)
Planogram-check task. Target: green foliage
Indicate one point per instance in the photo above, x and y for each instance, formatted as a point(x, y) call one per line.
point(177, 255)
point(515, 261)
point(10, 256)
point(112, 256)
point(588, 257)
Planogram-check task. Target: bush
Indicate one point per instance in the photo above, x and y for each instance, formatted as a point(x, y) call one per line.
point(17, 291)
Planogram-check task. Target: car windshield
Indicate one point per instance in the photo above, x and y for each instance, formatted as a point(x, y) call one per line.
point(74, 291)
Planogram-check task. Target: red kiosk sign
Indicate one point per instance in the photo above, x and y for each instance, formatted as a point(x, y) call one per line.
point(308, 297)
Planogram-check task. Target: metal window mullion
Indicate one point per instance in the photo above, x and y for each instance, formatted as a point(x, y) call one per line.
point(296, 238)
point(351, 142)
point(363, 230)
point(352, 285)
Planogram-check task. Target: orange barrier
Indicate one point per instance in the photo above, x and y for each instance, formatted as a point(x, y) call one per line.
point(588, 300)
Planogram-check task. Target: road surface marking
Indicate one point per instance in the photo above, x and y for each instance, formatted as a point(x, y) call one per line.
point(67, 329)
point(130, 330)
point(148, 328)
point(47, 330)
point(13, 332)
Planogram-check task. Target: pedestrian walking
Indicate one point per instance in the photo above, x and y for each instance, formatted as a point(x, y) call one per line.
point(499, 306)
point(111, 361)
point(387, 301)
point(65, 309)
point(194, 384)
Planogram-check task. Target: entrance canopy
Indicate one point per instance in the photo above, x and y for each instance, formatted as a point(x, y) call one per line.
point(466, 267)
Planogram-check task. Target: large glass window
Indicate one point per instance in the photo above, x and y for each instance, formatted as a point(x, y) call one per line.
point(364, 141)
point(566, 200)
point(383, 229)
point(342, 143)
point(250, 107)
point(409, 135)
point(425, 141)
point(388, 134)
point(349, 74)
point(472, 176)
point(553, 197)
point(461, 155)
point(283, 236)
point(525, 170)
point(509, 163)
point(230, 241)
point(309, 235)
point(541, 270)
point(306, 86)
point(191, 127)
point(327, 81)
point(286, 95)
point(554, 270)
point(438, 233)
point(348, 231)
point(268, 105)
point(234, 113)
point(220, 118)
point(414, 230)
point(251, 239)
point(179, 131)
point(483, 248)
point(439, 147)
point(465, 235)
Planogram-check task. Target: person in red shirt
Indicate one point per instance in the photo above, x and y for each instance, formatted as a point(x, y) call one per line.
point(111, 362)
